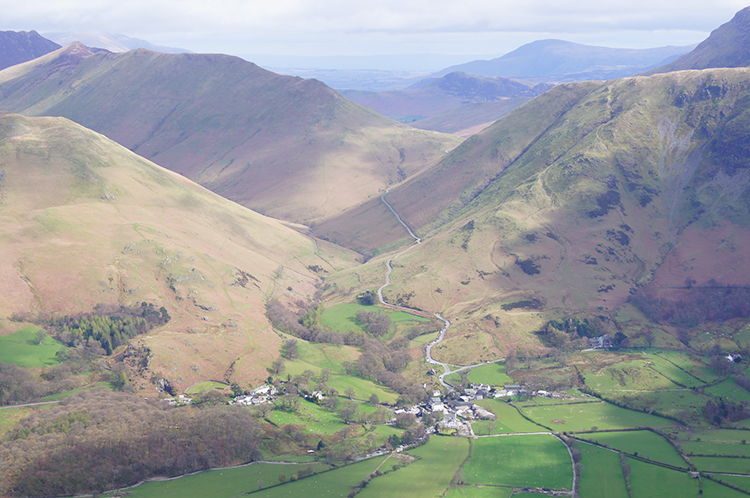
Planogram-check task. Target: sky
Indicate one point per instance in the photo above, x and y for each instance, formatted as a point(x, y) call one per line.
point(314, 28)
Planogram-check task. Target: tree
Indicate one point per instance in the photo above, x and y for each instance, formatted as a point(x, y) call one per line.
point(39, 337)
point(277, 366)
point(237, 390)
point(290, 350)
point(374, 399)
point(350, 393)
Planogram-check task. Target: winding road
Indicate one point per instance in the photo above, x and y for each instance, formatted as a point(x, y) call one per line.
point(428, 349)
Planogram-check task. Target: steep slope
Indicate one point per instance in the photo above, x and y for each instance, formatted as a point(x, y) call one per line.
point(21, 46)
point(579, 198)
point(83, 221)
point(287, 147)
point(558, 60)
point(727, 46)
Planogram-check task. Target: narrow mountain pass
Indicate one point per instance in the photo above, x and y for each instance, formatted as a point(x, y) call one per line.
point(428, 349)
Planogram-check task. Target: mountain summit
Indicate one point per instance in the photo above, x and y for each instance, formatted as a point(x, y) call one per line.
point(288, 147)
point(21, 46)
point(727, 46)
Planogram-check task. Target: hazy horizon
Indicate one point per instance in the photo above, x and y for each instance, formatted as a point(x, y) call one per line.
point(479, 29)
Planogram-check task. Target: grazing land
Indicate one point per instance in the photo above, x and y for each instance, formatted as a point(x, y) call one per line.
point(508, 420)
point(645, 444)
point(652, 481)
point(492, 374)
point(23, 348)
point(479, 492)
point(602, 475)
point(539, 461)
point(429, 476)
point(592, 416)
point(222, 483)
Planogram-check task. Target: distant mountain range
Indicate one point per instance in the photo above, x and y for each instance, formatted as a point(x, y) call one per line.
point(21, 46)
point(433, 96)
point(112, 43)
point(562, 61)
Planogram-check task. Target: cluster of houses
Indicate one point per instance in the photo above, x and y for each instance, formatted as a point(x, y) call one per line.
point(179, 400)
point(263, 394)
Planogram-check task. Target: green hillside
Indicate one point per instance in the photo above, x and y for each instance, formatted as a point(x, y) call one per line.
point(579, 199)
point(290, 148)
point(85, 222)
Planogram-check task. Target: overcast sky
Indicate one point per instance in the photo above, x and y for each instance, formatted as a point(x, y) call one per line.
point(358, 27)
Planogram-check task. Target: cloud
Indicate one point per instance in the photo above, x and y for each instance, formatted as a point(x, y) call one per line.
point(347, 24)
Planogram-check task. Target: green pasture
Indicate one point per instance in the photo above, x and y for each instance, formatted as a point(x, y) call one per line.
point(363, 388)
point(205, 386)
point(427, 477)
point(318, 356)
point(743, 336)
point(508, 420)
point(21, 348)
point(713, 489)
point(639, 373)
point(690, 363)
point(602, 473)
point(722, 464)
point(683, 404)
point(479, 492)
point(316, 420)
point(645, 444)
point(730, 390)
point(736, 481)
point(715, 449)
point(492, 374)
point(335, 483)
point(586, 416)
point(538, 460)
point(711, 434)
point(220, 483)
point(652, 481)
point(343, 317)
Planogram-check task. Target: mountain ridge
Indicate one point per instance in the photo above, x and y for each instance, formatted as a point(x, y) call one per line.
point(242, 131)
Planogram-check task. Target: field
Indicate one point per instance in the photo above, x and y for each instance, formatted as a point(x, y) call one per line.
point(730, 390)
point(602, 473)
point(538, 461)
point(492, 374)
point(479, 492)
point(683, 404)
point(645, 444)
point(722, 464)
point(736, 481)
point(315, 419)
point(221, 483)
point(427, 477)
point(508, 420)
point(363, 388)
point(651, 481)
point(715, 490)
point(343, 317)
point(22, 348)
point(592, 416)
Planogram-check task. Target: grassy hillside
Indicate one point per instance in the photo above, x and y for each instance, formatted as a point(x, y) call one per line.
point(578, 199)
point(287, 147)
point(83, 221)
